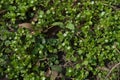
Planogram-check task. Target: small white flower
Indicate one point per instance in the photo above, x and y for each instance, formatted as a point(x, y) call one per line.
point(81, 41)
point(15, 37)
point(39, 22)
point(34, 8)
point(53, 12)
point(22, 31)
point(33, 22)
point(92, 2)
point(68, 47)
point(63, 44)
point(40, 51)
point(16, 49)
point(64, 34)
point(102, 49)
point(113, 46)
point(40, 16)
point(98, 28)
point(43, 78)
point(18, 57)
point(69, 70)
point(73, 31)
point(110, 32)
point(79, 3)
point(106, 40)
point(32, 1)
point(102, 13)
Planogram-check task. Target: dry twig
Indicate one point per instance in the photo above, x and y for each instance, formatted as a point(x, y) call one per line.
point(112, 69)
point(2, 11)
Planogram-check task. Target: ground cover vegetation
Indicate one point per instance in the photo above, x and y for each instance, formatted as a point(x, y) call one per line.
point(59, 39)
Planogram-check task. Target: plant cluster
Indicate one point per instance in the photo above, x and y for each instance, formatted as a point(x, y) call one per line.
point(59, 39)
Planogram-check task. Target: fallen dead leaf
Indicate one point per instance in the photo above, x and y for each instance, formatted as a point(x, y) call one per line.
point(48, 73)
point(27, 26)
point(53, 75)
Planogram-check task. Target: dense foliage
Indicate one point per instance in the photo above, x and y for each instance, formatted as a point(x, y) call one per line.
point(59, 39)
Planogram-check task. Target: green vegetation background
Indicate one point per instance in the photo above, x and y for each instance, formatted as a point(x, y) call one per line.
point(59, 39)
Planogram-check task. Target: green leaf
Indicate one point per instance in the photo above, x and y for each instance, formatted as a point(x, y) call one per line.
point(7, 42)
point(60, 24)
point(85, 62)
point(70, 26)
point(56, 68)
